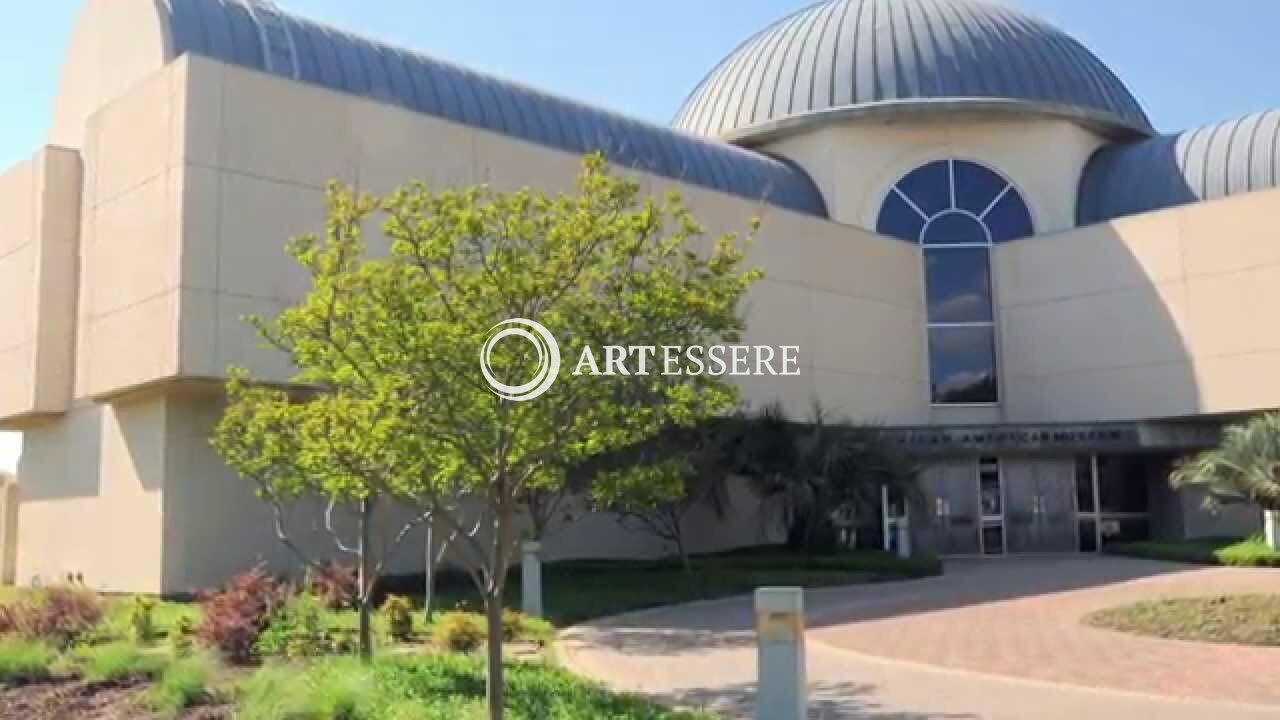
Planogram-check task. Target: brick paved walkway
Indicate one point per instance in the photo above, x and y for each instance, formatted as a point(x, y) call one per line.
point(990, 639)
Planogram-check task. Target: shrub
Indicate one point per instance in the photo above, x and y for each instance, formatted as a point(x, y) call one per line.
point(398, 612)
point(335, 584)
point(1253, 552)
point(8, 623)
point(182, 685)
point(59, 615)
point(180, 636)
point(459, 632)
point(235, 616)
point(296, 630)
point(517, 626)
point(142, 619)
point(118, 662)
point(23, 661)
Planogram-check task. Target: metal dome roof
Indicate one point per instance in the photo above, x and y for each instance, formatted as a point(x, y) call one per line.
point(863, 56)
point(258, 35)
point(1215, 161)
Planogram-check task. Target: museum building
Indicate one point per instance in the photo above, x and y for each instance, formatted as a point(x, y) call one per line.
point(970, 228)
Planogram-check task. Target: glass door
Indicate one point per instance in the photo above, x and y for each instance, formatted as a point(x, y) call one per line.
point(951, 522)
point(991, 501)
point(1041, 513)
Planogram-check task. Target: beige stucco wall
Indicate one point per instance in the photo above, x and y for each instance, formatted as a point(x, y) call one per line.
point(91, 487)
point(258, 151)
point(855, 162)
point(1158, 315)
point(113, 45)
point(40, 203)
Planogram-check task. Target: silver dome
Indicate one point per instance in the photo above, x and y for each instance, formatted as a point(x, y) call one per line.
point(850, 57)
point(1215, 161)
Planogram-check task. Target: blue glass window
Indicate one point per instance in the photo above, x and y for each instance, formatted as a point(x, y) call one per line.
point(954, 227)
point(957, 209)
point(977, 187)
point(1009, 219)
point(898, 219)
point(929, 187)
point(958, 285)
point(962, 365)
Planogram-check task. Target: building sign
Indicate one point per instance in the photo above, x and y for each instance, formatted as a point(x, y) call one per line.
point(1099, 437)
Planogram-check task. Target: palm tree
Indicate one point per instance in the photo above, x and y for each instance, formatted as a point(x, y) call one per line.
point(1244, 467)
point(820, 470)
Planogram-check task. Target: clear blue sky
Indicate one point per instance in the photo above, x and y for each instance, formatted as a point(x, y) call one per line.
point(1190, 62)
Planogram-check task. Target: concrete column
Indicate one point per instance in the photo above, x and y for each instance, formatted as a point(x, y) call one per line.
point(8, 530)
point(783, 687)
point(531, 579)
point(1271, 527)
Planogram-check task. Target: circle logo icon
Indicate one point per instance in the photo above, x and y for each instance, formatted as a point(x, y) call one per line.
point(548, 359)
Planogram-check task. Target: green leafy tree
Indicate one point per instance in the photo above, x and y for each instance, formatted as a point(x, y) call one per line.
point(1245, 467)
point(821, 471)
point(330, 446)
point(694, 463)
point(391, 346)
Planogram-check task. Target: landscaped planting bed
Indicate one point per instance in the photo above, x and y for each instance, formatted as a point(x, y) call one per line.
point(1242, 619)
point(260, 649)
point(1232, 551)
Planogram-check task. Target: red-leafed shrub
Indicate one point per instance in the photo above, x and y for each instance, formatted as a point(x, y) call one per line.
point(335, 584)
point(236, 615)
point(57, 615)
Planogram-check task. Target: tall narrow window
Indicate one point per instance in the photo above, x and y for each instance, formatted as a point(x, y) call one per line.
point(956, 210)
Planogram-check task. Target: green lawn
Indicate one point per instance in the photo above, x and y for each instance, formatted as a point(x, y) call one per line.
point(580, 590)
point(1243, 619)
point(1252, 552)
point(441, 687)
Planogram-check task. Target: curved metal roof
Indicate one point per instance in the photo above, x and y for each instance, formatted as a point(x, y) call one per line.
point(860, 56)
point(1228, 158)
point(256, 34)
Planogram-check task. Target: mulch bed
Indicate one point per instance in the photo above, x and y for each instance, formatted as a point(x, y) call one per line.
point(78, 700)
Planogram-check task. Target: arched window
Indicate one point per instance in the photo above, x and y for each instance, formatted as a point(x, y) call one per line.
point(956, 210)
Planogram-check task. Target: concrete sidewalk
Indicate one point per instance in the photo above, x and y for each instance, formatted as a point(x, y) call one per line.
point(916, 650)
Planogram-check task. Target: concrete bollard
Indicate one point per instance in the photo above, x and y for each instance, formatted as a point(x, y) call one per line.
point(531, 579)
point(782, 685)
point(904, 539)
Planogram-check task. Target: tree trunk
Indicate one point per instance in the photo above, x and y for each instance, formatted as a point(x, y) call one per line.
point(366, 584)
point(683, 552)
point(494, 678)
point(431, 575)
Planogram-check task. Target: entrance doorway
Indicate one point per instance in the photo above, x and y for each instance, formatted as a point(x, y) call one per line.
point(1113, 501)
point(993, 506)
point(1042, 514)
